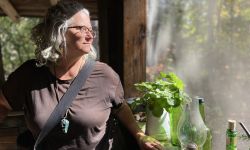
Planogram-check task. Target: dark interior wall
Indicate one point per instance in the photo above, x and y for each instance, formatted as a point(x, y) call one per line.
point(111, 33)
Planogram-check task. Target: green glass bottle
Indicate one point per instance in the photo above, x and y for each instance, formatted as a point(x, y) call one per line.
point(174, 119)
point(208, 144)
point(231, 136)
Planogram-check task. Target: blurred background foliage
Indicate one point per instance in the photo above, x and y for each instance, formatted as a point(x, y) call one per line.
point(15, 41)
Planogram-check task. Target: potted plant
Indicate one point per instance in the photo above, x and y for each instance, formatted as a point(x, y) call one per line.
point(160, 97)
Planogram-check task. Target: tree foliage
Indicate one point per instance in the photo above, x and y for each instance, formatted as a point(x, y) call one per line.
point(15, 42)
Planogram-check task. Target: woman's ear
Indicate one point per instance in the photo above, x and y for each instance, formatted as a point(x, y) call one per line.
point(61, 47)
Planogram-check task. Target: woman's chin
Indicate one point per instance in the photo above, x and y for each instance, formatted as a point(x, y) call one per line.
point(85, 51)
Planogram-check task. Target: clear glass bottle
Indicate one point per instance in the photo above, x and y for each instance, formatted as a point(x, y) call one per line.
point(231, 136)
point(191, 127)
point(208, 144)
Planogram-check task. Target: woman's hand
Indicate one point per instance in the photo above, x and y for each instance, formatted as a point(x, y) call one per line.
point(145, 142)
point(148, 143)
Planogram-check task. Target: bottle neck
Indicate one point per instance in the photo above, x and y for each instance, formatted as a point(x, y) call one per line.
point(202, 110)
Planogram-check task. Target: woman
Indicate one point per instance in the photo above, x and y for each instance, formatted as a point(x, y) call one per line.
point(64, 43)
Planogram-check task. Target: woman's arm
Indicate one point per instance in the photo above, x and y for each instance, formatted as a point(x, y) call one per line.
point(125, 115)
point(4, 107)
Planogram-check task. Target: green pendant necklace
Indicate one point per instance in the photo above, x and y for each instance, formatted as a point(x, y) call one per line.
point(64, 121)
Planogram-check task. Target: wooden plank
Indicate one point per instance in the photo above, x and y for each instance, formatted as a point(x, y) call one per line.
point(8, 146)
point(10, 129)
point(8, 132)
point(53, 2)
point(8, 138)
point(9, 10)
point(38, 8)
point(13, 122)
point(134, 51)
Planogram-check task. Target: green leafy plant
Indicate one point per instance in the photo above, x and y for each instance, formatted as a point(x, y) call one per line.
point(165, 92)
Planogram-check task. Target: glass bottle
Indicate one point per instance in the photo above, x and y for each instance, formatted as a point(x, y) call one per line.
point(208, 144)
point(201, 107)
point(174, 119)
point(191, 127)
point(231, 136)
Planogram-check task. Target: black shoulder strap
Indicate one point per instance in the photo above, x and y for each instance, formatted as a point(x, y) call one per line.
point(65, 101)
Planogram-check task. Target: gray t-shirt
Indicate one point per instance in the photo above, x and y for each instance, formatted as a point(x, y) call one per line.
point(33, 89)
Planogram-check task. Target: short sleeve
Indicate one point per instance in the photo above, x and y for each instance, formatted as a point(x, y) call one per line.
point(118, 97)
point(14, 88)
point(109, 82)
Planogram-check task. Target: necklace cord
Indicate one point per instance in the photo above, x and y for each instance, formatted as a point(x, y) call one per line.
point(56, 79)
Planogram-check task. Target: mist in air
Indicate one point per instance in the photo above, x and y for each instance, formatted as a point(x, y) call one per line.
point(207, 44)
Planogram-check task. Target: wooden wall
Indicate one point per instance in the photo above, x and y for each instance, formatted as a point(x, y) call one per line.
point(13, 125)
point(123, 40)
point(134, 49)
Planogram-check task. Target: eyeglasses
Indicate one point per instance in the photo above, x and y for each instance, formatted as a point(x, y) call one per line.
point(85, 29)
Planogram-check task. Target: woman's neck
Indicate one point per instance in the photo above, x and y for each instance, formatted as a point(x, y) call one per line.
point(66, 69)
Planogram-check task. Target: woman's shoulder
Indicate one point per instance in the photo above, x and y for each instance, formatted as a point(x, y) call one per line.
point(105, 70)
point(102, 66)
point(26, 69)
point(31, 63)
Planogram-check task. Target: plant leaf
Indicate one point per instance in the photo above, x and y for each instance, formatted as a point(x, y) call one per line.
point(165, 92)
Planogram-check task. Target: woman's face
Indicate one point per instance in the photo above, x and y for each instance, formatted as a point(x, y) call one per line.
point(79, 35)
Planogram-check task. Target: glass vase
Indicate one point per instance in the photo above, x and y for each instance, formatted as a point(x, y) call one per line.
point(191, 127)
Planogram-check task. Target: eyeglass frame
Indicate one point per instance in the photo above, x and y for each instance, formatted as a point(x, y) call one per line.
point(85, 29)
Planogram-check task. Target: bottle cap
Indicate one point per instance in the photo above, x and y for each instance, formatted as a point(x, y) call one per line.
point(232, 125)
point(200, 99)
point(191, 146)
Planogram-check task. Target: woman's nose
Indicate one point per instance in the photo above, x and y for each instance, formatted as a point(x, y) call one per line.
point(89, 37)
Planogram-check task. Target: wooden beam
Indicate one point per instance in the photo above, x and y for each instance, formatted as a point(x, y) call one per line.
point(134, 51)
point(53, 2)
point(8, 9)
point(1, 67)
point(111, 33)
point(103, 21)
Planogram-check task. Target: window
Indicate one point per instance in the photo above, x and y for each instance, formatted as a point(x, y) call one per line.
point(207, 44)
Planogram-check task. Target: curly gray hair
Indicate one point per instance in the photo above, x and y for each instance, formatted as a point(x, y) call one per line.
point(49, 35)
